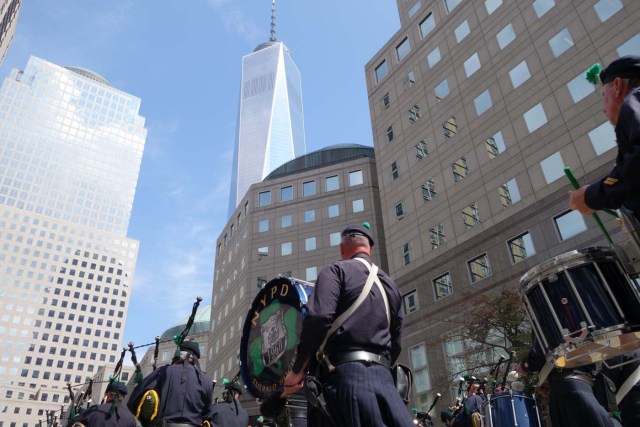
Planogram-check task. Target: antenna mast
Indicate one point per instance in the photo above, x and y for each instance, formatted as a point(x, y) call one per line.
point(273, 21)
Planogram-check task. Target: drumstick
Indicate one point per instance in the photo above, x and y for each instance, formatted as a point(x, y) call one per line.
point(595, 216)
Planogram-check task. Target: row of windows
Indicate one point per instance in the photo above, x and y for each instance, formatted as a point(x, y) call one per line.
point(310, 244)
point(310, 215)
point(568, 225)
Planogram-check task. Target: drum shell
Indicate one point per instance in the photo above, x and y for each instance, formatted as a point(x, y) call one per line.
point(586, 287)
point(271, 333)
point(510, 408)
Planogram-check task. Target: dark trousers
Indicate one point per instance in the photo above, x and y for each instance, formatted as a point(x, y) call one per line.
point(573, 404)
point(361, 395)
point(630, 409)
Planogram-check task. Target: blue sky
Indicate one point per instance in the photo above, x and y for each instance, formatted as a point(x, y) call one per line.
point(183, 59)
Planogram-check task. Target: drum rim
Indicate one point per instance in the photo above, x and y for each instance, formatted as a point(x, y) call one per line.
point(563, 262)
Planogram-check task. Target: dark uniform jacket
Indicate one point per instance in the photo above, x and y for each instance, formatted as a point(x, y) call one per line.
point(185, 397)
point(229, 414)
point(98, 416)
point(337, 287)
point(622, 185)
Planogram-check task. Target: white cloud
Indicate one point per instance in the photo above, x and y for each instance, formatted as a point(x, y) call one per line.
point(236, 21)
point(159, 137)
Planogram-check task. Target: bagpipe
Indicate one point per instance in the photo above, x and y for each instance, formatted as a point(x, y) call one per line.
point(423, 419)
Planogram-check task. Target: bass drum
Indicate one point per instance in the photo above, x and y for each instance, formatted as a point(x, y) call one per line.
point(509, 409)
point(271, 333)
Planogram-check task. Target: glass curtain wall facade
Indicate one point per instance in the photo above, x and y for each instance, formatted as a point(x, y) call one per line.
point(270, 128)
point(9, 10)
point(70, 153)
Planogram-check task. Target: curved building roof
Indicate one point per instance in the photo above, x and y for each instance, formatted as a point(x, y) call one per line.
point(201, 324)
point(265, 45)
point(323, 157)
point(90, 74)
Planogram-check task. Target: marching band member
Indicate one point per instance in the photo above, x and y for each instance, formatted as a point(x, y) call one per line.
point(184, 391)
point(112, 413)
point(357, 382)
point(621, 104)
point(230, 412)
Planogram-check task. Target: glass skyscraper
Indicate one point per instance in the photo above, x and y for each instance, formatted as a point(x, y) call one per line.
point(70, 153)
point(270, 122)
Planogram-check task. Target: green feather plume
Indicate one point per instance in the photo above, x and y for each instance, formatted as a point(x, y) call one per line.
point(593, 74)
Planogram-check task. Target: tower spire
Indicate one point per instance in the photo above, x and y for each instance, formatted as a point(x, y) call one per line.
point(273, 21)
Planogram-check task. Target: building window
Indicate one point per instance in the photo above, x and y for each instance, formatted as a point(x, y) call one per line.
point(580, 88)
point(509, 193)
point(357, 205)
point(570, 224)
point(399, 210)
point(451, 4)
point(443, 286)
point(520, 74)
point(442, 90)
point(505, 36)
point(310, 244)
point(311, 273)
point(603, 138)
point(459, 169)
point(286, 221)
point(462, 31)
point(390, 133)
point(605, 9)
point(394, 171)
point(334, 239)
point(286, 248)
point(308, 188)
point(421, 381)
point(434, 57)
point(409, 80)
point(483, 102)
point(436, 236)
point(428, 190)
point(355, 178)
point(263, 252)
point(560, 42)
point(470, 216)
point(414, 114)
point(421, 150)
point(416, 7)
point(332, 183)
point(385, 101)
point(472, 64)
point(286, 193)
point(492, 5)
point(403, 49)
point(535, 118)
point(264, 198)
point(479, 268)
point(427, 25)
point(542, 6)
point(450, 127)
point(552, 167)
point(333, 211)
point(495, 145)
point(521, 247)
point(406, 254)
point(263, 225)
point(381, 71)
point(630, 47)
point(410, 302)
point(310, 215)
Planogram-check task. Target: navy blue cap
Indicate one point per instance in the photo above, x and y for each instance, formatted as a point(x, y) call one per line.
point(192, 347)
point(625, 67)
point(362, 229)
point(117, 386)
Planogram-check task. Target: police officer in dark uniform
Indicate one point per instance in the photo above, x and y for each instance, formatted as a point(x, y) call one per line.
point(572, 401)
point(112, 413)
point(185, 391)
point(230, 412)
point(357, 382)
point(621, 100)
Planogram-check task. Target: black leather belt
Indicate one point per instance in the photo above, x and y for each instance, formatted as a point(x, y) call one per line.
point(170, 424)
point(580, 377)
point(359, 356)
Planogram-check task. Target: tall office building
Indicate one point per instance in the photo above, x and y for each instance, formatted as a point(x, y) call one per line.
point(270, 129)
point(9, 10)
point(70, 151)
point(476, 106)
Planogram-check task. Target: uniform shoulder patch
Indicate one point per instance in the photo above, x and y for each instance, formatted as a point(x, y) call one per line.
point(610, 181)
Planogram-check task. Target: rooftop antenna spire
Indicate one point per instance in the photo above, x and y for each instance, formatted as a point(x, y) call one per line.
point(273, 21)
